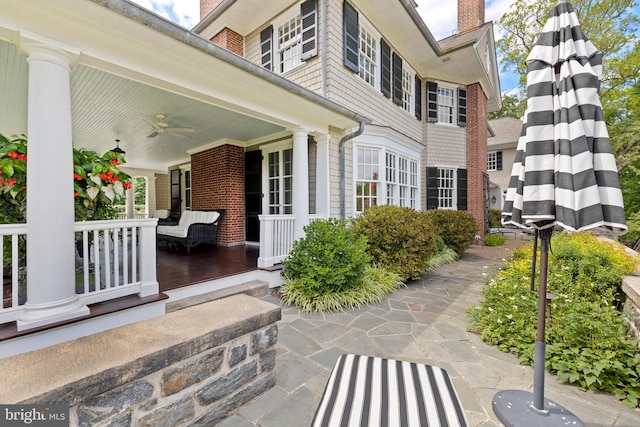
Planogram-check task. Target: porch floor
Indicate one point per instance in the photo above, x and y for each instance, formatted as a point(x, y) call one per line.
point(176, 269)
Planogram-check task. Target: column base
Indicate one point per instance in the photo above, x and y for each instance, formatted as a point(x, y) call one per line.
point(37, 315)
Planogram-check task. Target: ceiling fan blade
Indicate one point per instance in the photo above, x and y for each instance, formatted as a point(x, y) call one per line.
point(152, 135)
point(180, 135)
point(189, 130)
point(154, 125)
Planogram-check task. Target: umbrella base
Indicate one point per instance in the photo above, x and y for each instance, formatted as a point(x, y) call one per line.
point(514, 408)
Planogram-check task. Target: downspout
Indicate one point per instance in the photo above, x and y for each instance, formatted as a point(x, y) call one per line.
point(343, 184)
point(324, 48)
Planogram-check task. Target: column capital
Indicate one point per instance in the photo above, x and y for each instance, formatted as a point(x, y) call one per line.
point(44, 49)
point(299, 131)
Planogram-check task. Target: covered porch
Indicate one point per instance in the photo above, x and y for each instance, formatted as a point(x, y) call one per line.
point(66, 91)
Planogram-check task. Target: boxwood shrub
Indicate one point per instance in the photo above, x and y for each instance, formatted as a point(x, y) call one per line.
point(400, 239)
point(457, 228)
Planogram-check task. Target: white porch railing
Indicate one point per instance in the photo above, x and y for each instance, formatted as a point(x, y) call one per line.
point(113, 259)
point(137, 215)
point(276, 238)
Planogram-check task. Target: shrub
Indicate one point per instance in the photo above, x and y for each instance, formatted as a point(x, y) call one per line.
point(495, 218)
point(457, 228)
point(328, 259)
point(586, 336)
point(494, 240)
point(399, 239)
point(371, 288)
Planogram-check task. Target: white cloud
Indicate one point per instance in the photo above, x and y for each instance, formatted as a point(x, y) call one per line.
point(185, 13)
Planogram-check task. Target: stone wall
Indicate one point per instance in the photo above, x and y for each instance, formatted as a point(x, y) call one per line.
point(631, 287)
point(189, 367)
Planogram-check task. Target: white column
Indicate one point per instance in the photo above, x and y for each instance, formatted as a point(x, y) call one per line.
point(323, 194)
point(51, 293)
point(300, 196)
point(130, 207)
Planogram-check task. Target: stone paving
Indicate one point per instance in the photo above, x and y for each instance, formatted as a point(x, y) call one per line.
point(424, 322)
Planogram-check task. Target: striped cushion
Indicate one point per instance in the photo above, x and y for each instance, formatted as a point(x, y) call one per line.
point(371, 391)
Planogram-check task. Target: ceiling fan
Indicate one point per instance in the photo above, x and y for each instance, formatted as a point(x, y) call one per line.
point(160, 126)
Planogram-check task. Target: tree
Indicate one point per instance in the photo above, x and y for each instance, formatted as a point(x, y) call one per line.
point(512, 106)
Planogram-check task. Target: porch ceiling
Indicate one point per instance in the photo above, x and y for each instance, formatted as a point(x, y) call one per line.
point(106, 107)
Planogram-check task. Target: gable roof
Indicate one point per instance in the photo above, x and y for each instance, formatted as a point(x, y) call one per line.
point(507, 132)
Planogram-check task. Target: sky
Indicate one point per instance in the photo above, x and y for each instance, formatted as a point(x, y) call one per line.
point(439, 15)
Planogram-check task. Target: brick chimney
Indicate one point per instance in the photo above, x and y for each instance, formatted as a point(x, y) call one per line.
point(470, 15)
point(207, 6)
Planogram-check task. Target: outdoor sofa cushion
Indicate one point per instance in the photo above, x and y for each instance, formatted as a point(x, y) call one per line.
point(161, 214)
point(186, 219)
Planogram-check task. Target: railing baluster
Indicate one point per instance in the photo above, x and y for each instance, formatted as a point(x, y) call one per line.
point(125, 256)
point(96, 259)
point(85, 259)
point(134, 256)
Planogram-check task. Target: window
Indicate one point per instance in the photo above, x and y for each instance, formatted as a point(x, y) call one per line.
point(295, 38)
point(280, 179)
point(368, 56)
point(407, 90)
point(367, 178)
point(446, 104)
point(400, 183)
point(185, 192)
point(494, 161)
point(446, 188)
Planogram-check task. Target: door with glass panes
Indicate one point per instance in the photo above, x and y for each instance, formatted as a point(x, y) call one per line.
point(279, 179)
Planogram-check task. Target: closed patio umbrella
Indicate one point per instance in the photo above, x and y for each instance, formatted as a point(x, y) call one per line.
point(564, 176)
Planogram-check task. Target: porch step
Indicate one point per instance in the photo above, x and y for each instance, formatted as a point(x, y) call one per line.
point(254, 288)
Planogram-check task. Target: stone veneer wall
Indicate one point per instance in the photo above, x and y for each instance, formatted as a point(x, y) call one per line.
point(631, 287)
point(189, 367)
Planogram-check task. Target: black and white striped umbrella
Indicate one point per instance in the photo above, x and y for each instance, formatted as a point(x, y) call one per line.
point(564, 175)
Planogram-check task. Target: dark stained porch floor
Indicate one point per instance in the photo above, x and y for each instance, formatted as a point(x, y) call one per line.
point(177, 268)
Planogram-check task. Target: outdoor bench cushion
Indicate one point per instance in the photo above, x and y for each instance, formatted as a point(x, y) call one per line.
point(371, 391)
point(188, 218)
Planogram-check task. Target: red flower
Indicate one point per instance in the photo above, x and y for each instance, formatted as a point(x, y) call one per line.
point(76, 193)
point(11, 181)
point(77, 177)
point(114, 162)
point(22, 157)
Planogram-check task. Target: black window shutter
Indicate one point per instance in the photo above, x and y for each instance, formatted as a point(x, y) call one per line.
point(397, 78)
point(462, 190)
point(432, 102)
point(462, 107)
point(432, 188)
point(309, 14)
point(385, 68)
point(499, 160)
point(351, 37)
point(266, 47)
point(418, 97)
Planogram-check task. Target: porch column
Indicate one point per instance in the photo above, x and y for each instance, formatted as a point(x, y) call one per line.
point(323, 205)
point(300, 197)
point(51, 293)
point(130, 207)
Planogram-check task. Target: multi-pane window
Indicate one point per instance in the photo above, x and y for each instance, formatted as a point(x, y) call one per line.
point(290, 44)
point(492, 161)
point(446, 188)
point(367, 178)
point(187, 190)
point(368, 56)
point(391, 178)
point(446, 105)
point(280, 167)
point(413, 184)
point(403, 180)
point(407, 89)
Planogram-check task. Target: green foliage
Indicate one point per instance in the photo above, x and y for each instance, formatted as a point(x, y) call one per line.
point(494, 240)
point(512, 106)
point(457, 228)
point(370, 288)
point(441, 258)
point(329, 259)
point(495, 218)
point(586, 336)
point(399, 239)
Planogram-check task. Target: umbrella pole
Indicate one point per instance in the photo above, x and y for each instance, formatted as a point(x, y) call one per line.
point(540, 346)
point(533, 262)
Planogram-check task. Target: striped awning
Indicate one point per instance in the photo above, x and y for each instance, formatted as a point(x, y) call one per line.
point(564, 173)
point(371, 391)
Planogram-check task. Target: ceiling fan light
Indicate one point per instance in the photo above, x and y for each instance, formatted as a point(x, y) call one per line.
point(117, 149)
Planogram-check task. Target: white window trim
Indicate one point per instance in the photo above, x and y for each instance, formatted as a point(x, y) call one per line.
point(495, 161)
point(363, 23)
point(453, 87)
point(412, 91)
point(280, 20)
point(454, 201)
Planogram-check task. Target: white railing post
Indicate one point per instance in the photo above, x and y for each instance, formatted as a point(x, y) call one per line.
point(266, 241)
point(147, 259)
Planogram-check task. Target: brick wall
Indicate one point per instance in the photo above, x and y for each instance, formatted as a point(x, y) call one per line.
point(207, 6)
point(476, 152)
point(470, 14)
point(218, 183)
point(230, 40)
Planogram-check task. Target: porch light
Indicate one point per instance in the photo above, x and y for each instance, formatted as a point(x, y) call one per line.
point(118, 149)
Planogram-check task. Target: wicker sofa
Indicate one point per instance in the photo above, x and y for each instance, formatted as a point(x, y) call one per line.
point(194, 228)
